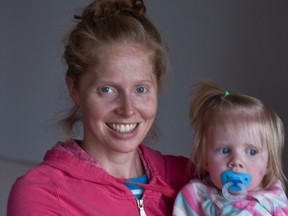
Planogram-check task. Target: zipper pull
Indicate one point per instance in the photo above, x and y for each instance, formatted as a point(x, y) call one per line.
point(141, 207)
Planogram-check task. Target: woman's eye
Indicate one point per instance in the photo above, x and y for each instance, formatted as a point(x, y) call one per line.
point(251, 152)
point(224, 150)
point(105, 89)
point(141, 90)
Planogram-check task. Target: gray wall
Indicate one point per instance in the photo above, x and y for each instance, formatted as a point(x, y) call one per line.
point(240, 44)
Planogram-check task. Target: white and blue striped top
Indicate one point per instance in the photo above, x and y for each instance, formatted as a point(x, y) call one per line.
point(136, 189)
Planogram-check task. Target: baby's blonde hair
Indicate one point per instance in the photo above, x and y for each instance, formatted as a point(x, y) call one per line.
point(213, 104)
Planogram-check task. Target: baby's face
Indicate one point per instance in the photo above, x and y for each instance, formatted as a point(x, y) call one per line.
point(238, 148)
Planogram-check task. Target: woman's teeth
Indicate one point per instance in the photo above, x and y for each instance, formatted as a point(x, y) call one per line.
point(123, 128)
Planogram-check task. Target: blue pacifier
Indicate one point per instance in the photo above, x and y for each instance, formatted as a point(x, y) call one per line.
point(235, 182)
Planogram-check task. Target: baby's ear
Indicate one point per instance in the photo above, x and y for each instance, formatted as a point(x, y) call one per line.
point(206, 167)
point(267, 170)
point(73, 91)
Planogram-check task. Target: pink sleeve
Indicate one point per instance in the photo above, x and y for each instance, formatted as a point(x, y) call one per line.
point(32, 195)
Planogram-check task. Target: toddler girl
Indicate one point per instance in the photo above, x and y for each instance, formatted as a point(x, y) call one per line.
point(237, 152)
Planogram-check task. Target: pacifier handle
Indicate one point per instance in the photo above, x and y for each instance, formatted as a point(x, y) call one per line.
point(234, 197)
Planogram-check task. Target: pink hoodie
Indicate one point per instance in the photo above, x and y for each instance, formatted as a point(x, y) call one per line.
point(69, 182)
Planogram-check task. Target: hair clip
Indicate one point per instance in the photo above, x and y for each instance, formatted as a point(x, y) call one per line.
point(227, 93)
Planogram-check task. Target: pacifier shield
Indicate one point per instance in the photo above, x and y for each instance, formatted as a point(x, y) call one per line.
point(236, 179)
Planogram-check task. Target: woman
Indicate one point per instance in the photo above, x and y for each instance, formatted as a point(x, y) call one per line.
point(116, 62)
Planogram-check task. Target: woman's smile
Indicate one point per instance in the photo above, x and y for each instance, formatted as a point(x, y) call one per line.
point(122, 128)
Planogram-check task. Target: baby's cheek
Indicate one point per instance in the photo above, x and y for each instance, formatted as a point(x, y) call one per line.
point(262, 166)
point(259, 174)
point(262, 172)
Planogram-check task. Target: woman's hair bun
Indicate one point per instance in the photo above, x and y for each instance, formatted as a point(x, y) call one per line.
point(104, 8)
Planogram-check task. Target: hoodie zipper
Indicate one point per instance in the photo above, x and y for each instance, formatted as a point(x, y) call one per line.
point(141, 207)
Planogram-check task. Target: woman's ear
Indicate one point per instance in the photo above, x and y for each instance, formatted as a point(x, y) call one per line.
point(73, 91)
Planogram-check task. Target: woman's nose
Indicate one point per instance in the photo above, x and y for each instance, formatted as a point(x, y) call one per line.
point(126, 106)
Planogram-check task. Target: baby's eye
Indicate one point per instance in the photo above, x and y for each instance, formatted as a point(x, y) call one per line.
point(251, 152)
point(105, 89)
point(224, 150)
point(141, 89)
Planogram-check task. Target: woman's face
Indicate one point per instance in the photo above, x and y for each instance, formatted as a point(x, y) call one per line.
point(118, 99)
